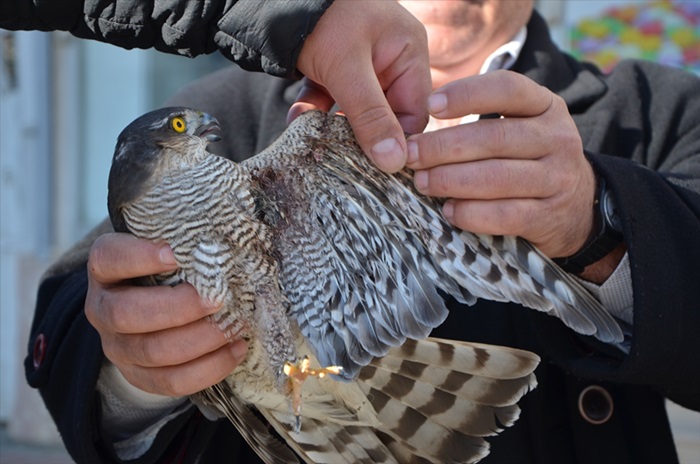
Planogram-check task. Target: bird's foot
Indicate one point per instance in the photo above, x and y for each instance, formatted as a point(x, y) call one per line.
point(298, 373)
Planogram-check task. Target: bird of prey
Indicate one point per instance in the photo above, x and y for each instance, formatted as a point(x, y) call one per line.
point(334, 273)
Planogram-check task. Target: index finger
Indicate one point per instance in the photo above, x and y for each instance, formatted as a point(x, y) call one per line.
point(311, 96)
point(115, 257)
point(501, 92)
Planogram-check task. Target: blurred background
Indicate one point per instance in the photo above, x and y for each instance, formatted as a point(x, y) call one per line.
point(63, 101)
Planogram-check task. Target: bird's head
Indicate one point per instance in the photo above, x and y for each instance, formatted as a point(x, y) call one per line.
point(179, 129)
point(154, 143)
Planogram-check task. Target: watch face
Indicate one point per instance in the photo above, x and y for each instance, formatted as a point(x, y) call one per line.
point(610, 212)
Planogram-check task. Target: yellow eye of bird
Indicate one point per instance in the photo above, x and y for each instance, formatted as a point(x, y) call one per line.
point(178, 124)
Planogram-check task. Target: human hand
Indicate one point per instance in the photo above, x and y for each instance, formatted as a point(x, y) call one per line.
point(524, 174)
point(372, 59)
point(158, 337)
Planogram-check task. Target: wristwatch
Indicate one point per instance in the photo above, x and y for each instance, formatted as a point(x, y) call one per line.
point(607, 233)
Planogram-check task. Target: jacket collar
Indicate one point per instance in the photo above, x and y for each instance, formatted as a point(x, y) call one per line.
point(541, 60)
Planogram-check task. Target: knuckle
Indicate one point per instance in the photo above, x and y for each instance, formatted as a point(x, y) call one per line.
point(150, 351)
point(506, 217)
point(171, 382)
point(221, 363)
point(462, 216)
point(509, 82)
point(169, 387)
point(96, 258)
point(162, 381)
point(168, 380)
point(554, 178)
point(567, 179)
point(115, 316)
point(497, 137)
point(460, 94)
point(568, 140)
point(101, 311)
point(558, 104)
point(438, 148)
point(562, 127)
point(513, 218)
point(92, 306)
point(494, 178)
point(109, 349)
point(113, 348)
point(440, 181)
point(371, 117)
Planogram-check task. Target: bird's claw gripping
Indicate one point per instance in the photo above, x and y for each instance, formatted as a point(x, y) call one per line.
point(297, 373)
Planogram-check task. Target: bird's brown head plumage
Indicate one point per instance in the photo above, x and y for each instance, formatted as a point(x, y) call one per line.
point(149, 143)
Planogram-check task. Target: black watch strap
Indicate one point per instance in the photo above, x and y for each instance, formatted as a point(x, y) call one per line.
point(606, 237)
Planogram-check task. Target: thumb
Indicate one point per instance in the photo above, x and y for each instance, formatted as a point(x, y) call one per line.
point(376, 128)
point(373, 62)
point(373, 121)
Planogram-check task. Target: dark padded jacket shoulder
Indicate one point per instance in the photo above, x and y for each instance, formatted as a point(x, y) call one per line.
point(258, 35)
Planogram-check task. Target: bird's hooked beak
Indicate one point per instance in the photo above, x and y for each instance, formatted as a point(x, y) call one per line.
point(208, 128)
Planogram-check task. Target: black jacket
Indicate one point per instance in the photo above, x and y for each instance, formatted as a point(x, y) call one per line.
point(258, 35)
point(641, 130)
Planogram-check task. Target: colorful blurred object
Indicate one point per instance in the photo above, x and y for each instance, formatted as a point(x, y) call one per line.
point(665, 31)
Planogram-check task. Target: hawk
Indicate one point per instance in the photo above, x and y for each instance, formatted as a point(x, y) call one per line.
point(334, 273)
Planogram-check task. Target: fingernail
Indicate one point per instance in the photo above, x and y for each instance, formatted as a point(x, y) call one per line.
point(167, 256)
point(388, 155)
point(437, 103)
point(239, 348)
point(448, 210)
point(412, 151)
point(420, 180)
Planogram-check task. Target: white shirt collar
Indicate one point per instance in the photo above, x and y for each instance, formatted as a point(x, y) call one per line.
point(506, 55)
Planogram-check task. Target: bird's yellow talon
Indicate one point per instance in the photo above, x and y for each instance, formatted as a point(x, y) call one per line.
point(297, 374)
point(301, 370)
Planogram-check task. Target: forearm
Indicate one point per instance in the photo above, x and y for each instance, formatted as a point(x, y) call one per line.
point(601, 270)
point(260, 36)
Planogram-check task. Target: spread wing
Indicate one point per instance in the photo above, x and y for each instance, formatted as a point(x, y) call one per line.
point(363, 256)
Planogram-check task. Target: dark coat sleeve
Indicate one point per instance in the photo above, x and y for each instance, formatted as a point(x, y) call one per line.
point(640, 127)
point(259, 36)
point(644, 139)
point(64, 360)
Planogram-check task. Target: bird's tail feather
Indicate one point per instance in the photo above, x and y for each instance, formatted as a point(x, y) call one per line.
point(220, 400)
point(432, 401)
point(439, 398)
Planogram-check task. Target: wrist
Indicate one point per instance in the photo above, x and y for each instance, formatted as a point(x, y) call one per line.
point(599, 271)
point(605, 239)
point(126, 409)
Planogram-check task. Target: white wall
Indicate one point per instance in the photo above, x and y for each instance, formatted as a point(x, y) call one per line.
point(63, 103)
point(25, 164)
